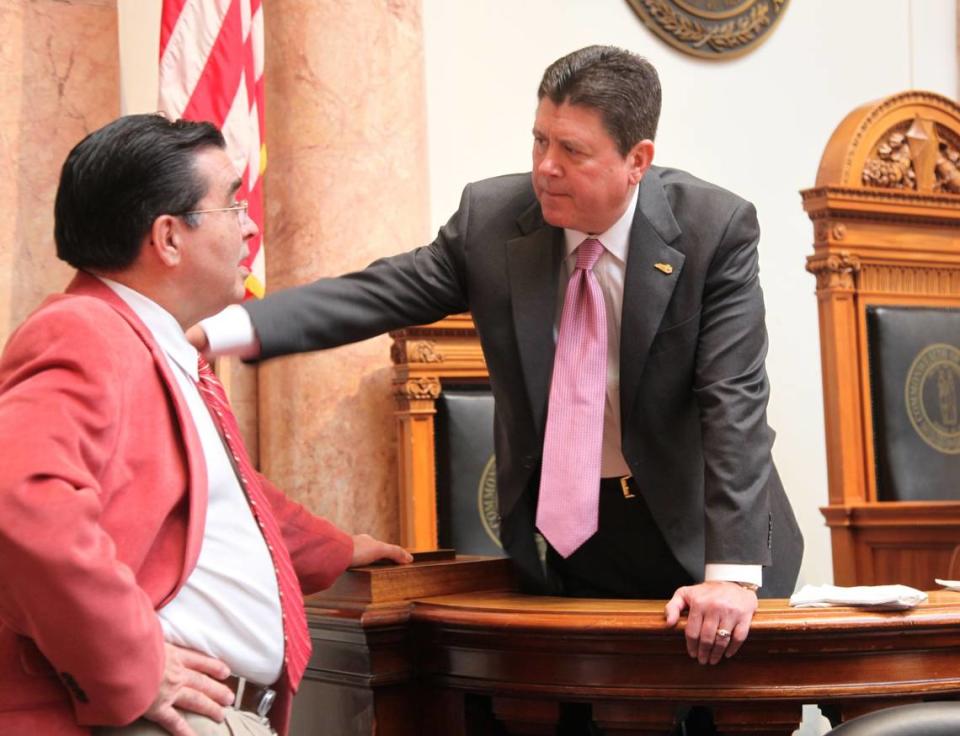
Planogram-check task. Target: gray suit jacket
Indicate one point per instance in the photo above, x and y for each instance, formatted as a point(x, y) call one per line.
point(693, 387)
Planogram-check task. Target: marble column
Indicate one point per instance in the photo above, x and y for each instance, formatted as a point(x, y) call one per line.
point(345, 184)
point(60, 81)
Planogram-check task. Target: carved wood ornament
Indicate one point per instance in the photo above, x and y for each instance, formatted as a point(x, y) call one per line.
point(886, 215)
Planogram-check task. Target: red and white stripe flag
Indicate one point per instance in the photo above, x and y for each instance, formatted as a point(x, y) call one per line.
point(211, 68)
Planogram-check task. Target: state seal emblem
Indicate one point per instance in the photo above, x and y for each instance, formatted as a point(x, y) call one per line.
point(488, 507)
point(711, 29)
point(932, 394)
point(487, 504)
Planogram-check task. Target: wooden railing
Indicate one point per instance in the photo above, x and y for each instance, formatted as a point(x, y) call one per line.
point(435, 646)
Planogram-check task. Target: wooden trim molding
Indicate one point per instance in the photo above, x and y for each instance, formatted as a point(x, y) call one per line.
point(426, 358)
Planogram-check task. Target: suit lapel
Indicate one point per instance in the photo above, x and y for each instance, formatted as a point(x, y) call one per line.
point(647, 287)
point(88, 285)
point(533, 262)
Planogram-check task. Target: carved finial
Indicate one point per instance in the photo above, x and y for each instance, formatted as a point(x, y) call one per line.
point(824, 231)
point(836, 271)
point(924, 149)
point(948, 169)
point(425, 351)
point(415, 351)
point(419, 388)
point(892, 167)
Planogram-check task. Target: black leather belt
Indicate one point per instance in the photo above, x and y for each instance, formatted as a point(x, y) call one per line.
point(251, 697)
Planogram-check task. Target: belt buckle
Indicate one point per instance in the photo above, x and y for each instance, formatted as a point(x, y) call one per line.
point(266, 702)
point(263, 697)
point(625, 487)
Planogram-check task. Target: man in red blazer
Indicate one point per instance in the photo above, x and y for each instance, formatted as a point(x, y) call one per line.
point(135, 584)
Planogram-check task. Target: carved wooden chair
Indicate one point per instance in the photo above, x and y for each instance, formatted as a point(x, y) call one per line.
point(886, 216)
point(426, 361)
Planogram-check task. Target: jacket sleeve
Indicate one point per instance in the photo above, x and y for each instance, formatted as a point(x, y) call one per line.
point(731, 389)
point(61, 584)
point(413, 288)
point(320, 551)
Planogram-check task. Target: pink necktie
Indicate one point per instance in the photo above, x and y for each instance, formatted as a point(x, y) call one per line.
point(568, 507)
point(296, 636)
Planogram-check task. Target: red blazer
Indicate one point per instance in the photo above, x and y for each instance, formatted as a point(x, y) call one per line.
point(103, 496)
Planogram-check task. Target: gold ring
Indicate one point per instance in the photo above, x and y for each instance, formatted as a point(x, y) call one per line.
point(723, 634)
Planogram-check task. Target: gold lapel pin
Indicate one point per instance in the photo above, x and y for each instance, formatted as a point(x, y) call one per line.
point(665, 267)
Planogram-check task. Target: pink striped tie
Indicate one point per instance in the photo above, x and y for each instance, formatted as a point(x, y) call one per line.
point(568, 507)
point(296, 636)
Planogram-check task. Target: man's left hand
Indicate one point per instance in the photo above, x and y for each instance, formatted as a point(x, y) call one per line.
point(367, 550)
point(715, 608)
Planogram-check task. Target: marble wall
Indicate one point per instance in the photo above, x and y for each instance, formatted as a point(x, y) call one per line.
point(346, 133)
point(345, 184)
point(60, 81)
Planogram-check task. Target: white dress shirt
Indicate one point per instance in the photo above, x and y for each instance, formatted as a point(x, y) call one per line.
point(229, 606)
point(610, 271)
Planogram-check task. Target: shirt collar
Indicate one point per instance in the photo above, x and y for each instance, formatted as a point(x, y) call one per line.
point(616, 240)
point(162, 325)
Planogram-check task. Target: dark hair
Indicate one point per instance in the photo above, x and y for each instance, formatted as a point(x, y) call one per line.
point(622, 86)
point(119, 179)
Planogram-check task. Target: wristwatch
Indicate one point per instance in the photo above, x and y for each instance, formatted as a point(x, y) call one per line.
point(749, 586)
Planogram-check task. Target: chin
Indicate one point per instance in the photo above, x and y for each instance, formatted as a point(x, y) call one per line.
point(555, 217)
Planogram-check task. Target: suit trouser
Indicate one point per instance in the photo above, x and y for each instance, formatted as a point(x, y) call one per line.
point(627, 557)
point(236, 723)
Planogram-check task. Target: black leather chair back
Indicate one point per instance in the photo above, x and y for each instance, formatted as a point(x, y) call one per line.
point(917, 719)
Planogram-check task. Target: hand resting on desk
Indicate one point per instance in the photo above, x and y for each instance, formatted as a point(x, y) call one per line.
point(713, 606)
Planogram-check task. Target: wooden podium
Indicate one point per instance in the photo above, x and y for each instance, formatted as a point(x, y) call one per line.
point(447, 648)
point(886, 216)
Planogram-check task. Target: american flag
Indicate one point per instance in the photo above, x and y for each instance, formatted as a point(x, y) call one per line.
point(211, 68)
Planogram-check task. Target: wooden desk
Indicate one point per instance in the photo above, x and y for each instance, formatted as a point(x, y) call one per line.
point(446, 648)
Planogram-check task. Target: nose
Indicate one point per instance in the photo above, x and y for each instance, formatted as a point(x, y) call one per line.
point(248, 227)
point(547, 166)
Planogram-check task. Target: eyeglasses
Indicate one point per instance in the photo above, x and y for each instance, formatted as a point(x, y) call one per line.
point(240, 208)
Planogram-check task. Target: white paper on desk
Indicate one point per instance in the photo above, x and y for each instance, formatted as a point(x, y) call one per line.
point(876, 597)
point(948, 584)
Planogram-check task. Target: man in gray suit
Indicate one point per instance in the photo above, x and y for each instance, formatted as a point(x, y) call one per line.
point(690, 504)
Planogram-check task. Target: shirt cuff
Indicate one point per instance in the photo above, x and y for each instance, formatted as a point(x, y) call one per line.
point(752, 574)
point(231, 332)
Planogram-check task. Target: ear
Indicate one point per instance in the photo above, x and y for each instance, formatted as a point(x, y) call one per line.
point(640, 158)
point(166, 239)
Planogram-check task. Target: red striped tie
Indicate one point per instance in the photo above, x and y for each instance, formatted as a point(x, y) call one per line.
point(296, 636)
point(568, 506)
